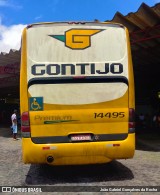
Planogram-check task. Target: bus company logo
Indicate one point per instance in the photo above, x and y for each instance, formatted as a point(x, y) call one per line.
point(77, 38)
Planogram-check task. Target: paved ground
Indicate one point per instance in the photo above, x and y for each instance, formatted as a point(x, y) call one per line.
point(142, 170)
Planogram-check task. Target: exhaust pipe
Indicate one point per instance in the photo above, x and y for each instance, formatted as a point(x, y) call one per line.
point(50, 159)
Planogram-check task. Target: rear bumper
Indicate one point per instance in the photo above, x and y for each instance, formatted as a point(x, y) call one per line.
point(78, 153)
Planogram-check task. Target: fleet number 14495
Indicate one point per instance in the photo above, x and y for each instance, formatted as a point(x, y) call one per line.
point(109, 115)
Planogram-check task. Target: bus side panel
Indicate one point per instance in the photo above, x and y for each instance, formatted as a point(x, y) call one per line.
point(23, 75)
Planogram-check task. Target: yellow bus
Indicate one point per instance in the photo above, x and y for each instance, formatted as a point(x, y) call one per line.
point(76, 93)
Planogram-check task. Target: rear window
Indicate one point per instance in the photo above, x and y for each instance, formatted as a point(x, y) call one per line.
point(60, 51)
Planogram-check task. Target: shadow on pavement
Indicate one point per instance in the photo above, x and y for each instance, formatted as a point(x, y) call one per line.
point(45, 174)
point(148, 140)
point(7, 132)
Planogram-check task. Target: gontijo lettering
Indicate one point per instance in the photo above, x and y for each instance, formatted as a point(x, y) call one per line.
point(80, 68)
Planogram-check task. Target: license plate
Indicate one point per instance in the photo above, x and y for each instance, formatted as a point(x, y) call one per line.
point(86, 137)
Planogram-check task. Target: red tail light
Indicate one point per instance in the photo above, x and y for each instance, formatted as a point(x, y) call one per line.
point(25, 124)
point(131, 120)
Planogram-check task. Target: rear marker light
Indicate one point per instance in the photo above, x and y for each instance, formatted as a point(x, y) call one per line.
point(76, 22)
point(79, 77)
point(131, 124)
point(131, 120)
point(25, 124)
point(114, 145)
point(46, 148)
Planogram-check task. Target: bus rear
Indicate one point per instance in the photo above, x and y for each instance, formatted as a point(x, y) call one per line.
point(76, 93)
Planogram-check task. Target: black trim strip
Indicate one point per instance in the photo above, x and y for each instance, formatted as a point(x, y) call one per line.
point(66, 139)
point(72, 80)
